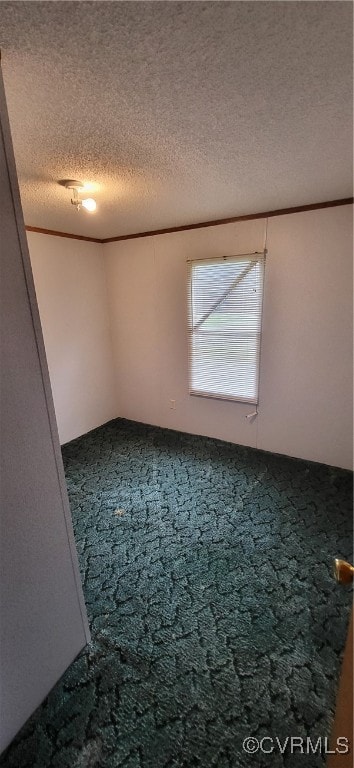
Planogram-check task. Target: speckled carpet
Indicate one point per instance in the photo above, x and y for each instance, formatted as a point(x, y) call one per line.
point(214, 615)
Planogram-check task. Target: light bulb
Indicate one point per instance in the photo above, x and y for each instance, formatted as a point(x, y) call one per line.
point(89, 203)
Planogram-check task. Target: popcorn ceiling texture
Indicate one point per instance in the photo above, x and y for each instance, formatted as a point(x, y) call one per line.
point(177, 112)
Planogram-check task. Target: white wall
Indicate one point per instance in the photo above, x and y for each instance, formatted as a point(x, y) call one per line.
point(134, 363)
point(305, 405)
point(72, 297)
point(307, 350)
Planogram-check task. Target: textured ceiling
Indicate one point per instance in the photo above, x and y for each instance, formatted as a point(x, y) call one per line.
point(177, 112)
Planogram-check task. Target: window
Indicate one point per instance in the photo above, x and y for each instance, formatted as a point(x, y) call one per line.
point(225, 326)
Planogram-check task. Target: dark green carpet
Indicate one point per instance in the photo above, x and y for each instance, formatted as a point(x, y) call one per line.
point(212, 607)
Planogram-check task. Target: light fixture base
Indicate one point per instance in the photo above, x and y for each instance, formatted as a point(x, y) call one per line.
point(71, 183)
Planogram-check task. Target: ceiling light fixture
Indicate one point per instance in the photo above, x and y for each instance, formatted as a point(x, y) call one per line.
point(88, 203)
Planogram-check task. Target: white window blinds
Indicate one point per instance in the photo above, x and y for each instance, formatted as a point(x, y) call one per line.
point(226, 297)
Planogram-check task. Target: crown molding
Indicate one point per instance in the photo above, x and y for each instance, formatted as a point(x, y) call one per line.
point(199, 225)
point(62, 234)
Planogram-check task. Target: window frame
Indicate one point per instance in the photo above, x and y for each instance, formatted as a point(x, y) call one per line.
point(257, 257)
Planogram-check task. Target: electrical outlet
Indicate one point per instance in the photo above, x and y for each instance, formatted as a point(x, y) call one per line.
point(173, 404)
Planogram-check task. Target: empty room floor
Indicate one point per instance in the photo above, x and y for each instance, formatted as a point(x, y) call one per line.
point(214, 615)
